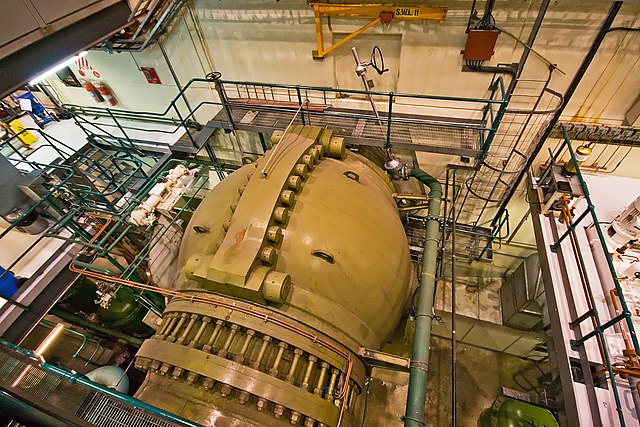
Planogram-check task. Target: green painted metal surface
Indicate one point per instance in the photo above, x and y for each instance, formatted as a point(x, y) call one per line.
point(507, 412)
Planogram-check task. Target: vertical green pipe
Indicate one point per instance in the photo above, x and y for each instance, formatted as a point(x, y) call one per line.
point(417, 394)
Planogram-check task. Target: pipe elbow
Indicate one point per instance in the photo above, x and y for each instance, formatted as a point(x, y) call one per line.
point(428, 180)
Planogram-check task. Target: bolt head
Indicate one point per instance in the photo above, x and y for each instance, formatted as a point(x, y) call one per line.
point(226, 390)
point(192, 377)
point(177, 372)
point(261, 404)
point(278, 411)
point(244, 397)
point(295, 417)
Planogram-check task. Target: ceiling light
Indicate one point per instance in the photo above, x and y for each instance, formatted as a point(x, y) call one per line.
point(58, 67)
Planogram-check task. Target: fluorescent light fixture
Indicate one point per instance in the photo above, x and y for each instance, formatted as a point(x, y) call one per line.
point(41, 349)
point(58, 67)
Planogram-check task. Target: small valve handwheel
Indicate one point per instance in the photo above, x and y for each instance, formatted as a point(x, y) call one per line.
point(377, 60)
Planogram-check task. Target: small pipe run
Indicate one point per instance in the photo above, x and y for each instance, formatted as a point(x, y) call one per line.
point(417, 393)
point(83, 323)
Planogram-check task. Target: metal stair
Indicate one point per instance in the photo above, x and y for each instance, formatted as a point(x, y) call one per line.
point(147, 22)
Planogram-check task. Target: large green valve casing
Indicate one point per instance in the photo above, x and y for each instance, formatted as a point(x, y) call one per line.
point(311, 235)
point(507, 412)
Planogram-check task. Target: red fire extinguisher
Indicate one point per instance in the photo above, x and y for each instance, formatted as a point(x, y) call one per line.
point(106, 93)
point(93, 91)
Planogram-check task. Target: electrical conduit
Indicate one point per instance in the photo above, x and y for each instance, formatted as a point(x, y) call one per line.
point(417, 394)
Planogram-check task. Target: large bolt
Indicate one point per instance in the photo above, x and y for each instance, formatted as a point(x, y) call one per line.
point(295, 417)
point(281, 215)
point(188, 329)
point(294, 183)
point(276, 287)
point(309, 422)
point(177, 372)
point(335, 147)
point(192, 377)
point(174, 333)
point(321, 378)
point(301, 170)
point(163, 326)
point(205, 322)
point(164, 369)
point(173, 318)
point(138, 364)
point(278, 411)
point(245, 346)
point(261, 404)
point(268, 255)
point(294, 364)
point(226, 390)
point(155, 365)
point(308, 160)
point(332, 384)
point(225, 348)
point(282, 346)
point(214, 335)
point(266, 339)
point(274, 234)
point(314, 153)
point(208, 383)
point(244, 397)
point(287, 197)
point(311, 361)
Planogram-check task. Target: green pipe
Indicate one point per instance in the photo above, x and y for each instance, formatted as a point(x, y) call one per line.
point(91, 267)
point(79, 321)
point(417, 393)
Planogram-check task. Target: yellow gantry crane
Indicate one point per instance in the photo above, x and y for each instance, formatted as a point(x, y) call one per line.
point(379, 12)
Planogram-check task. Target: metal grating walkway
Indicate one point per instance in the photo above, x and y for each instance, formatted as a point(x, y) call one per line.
point(413, 132)
point(21, 378)
point(470, 241)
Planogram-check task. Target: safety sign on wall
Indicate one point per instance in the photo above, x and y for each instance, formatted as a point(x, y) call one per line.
point(85, 69)
point(151, 75)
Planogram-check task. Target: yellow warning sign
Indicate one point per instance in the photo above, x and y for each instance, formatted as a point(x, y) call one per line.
point(26, 137)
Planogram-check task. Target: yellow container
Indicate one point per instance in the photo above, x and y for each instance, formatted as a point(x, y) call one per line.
point(26, 137)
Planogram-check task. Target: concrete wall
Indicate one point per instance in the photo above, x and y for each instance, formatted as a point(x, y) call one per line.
point(272, 42)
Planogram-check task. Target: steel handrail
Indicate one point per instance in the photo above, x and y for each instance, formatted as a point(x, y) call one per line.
point(77, 378)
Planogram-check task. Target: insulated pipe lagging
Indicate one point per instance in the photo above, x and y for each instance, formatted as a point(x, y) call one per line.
point(111, 376)
point(417, 393)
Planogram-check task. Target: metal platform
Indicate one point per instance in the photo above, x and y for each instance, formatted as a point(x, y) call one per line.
point(34, 391)
point(359, 127)
point(470, 245)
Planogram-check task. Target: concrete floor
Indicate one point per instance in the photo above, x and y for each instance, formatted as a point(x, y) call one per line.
point(480, 375)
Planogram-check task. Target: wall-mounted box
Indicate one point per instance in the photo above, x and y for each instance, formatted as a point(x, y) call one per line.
point(480, 45)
